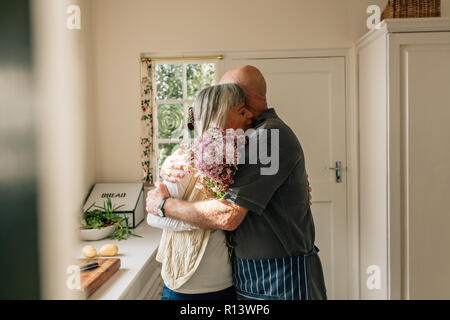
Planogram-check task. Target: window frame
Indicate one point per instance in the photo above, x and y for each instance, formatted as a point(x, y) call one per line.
point(185, 102)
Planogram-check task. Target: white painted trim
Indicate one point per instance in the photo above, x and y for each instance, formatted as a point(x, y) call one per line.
point(404, 196)
point(181, 101)
point(170, 140)
point(393, 168)
point(369, 37)
point(416, 25)
point(410, 25)
point(286, 54)
point(353, 173)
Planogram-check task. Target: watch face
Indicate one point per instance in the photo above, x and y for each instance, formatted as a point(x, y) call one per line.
point(160, 208)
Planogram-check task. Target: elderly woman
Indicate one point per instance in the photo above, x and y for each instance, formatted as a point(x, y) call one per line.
point(194, 261)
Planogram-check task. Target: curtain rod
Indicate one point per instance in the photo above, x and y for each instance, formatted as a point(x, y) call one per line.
point(183, 58)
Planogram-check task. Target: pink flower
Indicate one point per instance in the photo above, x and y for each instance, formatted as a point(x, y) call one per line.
point(214, 155)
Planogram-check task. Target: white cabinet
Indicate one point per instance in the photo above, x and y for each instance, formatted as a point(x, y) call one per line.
point(403, 78)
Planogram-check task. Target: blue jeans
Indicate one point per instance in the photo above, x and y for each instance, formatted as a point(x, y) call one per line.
point(226, 294)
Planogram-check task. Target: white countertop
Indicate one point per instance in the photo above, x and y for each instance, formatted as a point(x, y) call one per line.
point(134, 254)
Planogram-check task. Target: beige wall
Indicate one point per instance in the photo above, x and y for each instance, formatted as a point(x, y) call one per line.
point(122, 30)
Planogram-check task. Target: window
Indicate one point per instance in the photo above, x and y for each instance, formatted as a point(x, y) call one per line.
point(176, 85)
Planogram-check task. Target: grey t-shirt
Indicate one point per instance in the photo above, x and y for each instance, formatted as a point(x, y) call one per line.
point(279, 222)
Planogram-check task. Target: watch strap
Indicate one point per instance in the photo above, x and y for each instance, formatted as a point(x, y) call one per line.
point(161, 207)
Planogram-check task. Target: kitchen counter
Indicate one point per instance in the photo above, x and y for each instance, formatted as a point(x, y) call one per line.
point(139, 273)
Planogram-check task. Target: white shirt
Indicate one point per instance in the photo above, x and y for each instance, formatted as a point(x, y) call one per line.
point(214, 271)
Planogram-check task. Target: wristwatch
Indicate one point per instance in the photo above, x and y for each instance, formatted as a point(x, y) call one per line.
point(161, 208)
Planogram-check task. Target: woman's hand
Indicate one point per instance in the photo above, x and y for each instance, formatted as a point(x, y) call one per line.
point(310, 196)
point(174, 166)
point(155, 196)
point(309, 192)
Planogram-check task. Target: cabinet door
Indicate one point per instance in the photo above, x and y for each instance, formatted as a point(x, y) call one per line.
point(424, 102)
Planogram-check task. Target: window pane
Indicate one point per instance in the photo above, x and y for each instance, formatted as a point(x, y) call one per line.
point(199, 76)
point(165, 150)
point(169, 81)
point(170, 121)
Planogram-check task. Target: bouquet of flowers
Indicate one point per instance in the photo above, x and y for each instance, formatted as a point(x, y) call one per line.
point(214, 158)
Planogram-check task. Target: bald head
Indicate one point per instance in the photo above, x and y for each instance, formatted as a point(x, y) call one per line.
point(254, 85)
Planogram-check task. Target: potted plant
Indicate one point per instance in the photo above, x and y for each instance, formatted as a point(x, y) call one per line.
point(101, 222)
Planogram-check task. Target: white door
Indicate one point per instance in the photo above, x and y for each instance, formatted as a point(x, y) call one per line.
point(309, 95)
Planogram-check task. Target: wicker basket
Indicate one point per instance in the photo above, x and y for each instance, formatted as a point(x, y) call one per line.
point(412, 9)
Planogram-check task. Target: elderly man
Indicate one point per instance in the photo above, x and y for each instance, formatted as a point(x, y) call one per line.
point(270, 215)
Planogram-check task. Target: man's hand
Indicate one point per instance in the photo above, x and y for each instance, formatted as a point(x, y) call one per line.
point(155, 196)
point(309, 193)
point(174, 166)
point(208, 214)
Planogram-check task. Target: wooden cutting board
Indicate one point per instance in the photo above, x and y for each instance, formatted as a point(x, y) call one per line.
point(92, 279)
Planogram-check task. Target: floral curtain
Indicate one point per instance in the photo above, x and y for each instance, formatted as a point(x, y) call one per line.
point(147, 103)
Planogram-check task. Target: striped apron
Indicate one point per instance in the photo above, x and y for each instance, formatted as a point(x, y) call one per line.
point(272, 278)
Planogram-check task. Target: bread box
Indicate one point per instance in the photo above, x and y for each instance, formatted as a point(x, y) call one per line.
point(130, 195)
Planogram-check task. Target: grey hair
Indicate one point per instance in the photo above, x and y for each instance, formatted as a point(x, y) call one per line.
point(212, 105)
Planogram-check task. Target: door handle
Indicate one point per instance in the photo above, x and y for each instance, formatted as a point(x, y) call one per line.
point(338, 170)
